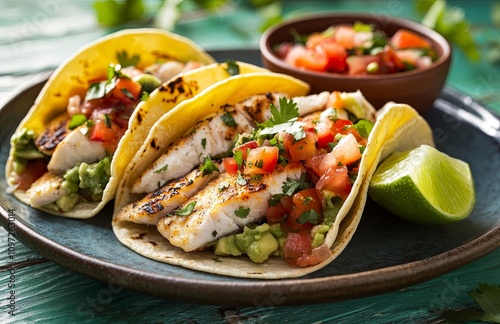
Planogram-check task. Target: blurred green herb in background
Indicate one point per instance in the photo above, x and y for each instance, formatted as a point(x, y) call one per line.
point(449, 21)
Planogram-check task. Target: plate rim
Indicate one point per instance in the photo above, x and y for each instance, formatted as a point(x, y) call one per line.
point(290, 291)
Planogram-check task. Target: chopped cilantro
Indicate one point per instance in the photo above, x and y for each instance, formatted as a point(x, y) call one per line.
point(228, 119)
point(223, 187)
point(288, 112)
point(216, 259)
point(238, 157)
point(364, 127)
point(208, 166)
point(214, 233)
point(242, 212)
point(186, 211)
point(232, 68)
point(291, 185)
point(163, 168)
point(127, 93)
point(203, 142)
point(275, 200)
point(107, 120)
point(77, 120)
point(310, 216)
point(144, 96)
point(240, 180)
point(125, 60)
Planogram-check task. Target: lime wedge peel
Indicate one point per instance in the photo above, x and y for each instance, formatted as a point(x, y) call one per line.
point(424, 186)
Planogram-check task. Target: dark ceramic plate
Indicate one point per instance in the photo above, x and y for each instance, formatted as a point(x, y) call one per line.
point(385, 254)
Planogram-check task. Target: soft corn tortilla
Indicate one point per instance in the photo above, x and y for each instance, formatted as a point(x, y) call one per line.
point(398, 127)
point(90, 63)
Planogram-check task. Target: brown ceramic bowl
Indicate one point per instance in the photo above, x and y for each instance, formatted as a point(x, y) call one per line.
point(418, 88)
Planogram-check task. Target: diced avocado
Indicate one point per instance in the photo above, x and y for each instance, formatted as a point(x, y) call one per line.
point(66, 203)
point(148, 82)
point(258, 243)
point(331, 207)
point(227, 246)
point(276, 230)
point(24, 146)
point(95, 177)
point(71, 180)
point(260, 249)
point(318, 234)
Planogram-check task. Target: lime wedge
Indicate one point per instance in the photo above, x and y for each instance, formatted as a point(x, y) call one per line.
point(424, 186)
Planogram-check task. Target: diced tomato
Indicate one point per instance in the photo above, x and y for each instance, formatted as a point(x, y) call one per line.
point(336, 55)
point(344, 35)
point(324, 132)
point(320, 164)
point(391, 63)
point(302, 149)
point(296, 245)
point(261, 160)
point(126, 90)
point(404, 38)
point(303, 201)
point(341, 125)
point(336, 180)
point(308, 59)
point(347, 150)
point(306, 260)
point(245, 147)
point(109, 134)
point(34, 170)
point(230, 165)
point(358, 64)
point(275, 214)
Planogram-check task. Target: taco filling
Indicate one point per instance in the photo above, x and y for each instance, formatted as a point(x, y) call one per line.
point(270, 176)
point(69, 162)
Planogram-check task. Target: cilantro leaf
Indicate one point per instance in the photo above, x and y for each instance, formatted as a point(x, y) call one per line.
point(77, 120)
point(126, 60)
point(232, 68)
point(186, 211)
point(238, 157)
point(242, 212)
point(208, 166)
point(291, 186)
point(163, 168)
point(488, 298)
point(288, 111)
point(310, 216)
point(364, 127)
point(228, 119)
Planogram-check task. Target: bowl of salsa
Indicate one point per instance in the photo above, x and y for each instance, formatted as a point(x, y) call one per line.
point(387, 58)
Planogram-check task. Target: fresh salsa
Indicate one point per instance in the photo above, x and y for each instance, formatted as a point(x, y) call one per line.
point(358, 49)
point(329, 144)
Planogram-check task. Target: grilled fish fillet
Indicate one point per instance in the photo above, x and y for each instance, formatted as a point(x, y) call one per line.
point(74, 149)
point(46, 190)
point(150, 209)
point(212, 136)
point(223, 207)
point(55, 132)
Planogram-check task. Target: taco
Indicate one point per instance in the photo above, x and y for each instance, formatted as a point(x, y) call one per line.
point(67, 154)
point(267, 183)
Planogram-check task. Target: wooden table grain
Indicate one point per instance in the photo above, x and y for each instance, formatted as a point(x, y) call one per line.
point(36, 36)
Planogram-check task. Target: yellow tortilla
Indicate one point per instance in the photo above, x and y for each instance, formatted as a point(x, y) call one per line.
point(398, 127)
point(90, 63)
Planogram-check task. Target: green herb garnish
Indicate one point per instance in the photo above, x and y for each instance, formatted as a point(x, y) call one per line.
point(186, 211)
point(242, 212)
point(77, 120)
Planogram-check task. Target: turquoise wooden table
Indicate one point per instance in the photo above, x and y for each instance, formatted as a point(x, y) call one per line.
point(36, 36)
